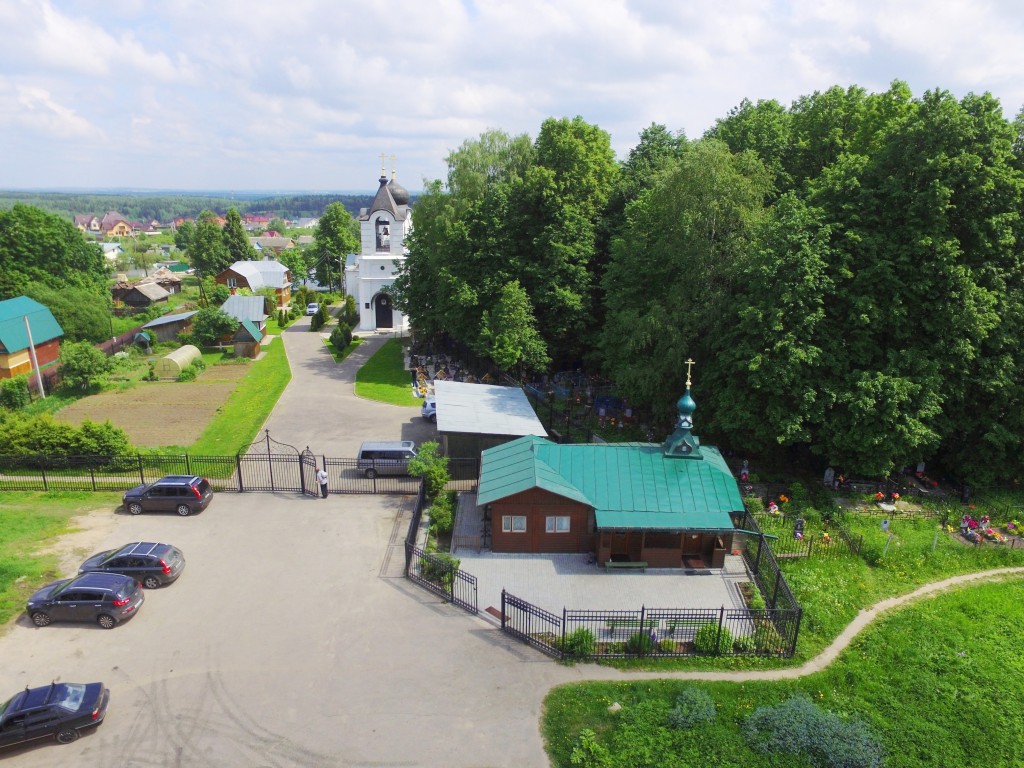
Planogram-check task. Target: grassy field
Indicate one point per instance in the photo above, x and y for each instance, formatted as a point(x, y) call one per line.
point(28, 521)
point(384, 378)
point(935, 683)
point(216, 414)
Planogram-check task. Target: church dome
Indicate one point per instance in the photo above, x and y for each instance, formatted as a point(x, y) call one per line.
point(398, 192)
point(686, 405)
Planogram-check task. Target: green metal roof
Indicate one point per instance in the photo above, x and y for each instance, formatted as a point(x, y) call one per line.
point(13, 337)
point(247, 328)
point(629, 485)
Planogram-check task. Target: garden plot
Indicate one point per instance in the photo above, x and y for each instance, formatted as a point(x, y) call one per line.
point(158, 414)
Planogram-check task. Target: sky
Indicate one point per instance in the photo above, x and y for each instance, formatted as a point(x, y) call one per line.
point(306, 95)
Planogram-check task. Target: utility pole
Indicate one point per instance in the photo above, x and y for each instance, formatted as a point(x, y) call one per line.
point(32, 356)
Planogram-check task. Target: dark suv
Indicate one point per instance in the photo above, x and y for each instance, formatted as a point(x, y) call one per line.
point(151, 563)
point(184, 494)
point(106, 598)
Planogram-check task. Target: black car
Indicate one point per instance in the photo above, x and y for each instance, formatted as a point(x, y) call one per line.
point(106, 598)
point(151, 563)
point(60, 710)
point(184, 494)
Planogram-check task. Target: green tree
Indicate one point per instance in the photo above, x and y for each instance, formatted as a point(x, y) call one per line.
point(236, 239)
point(668, 284)
point(280, 226)
point(207, 252)
point(40, 247)
point(336, 236)
point(83, 314)
point(183, 236)
point(82, 365)
point(212, 324)
point(509, 334)
point(429, 464)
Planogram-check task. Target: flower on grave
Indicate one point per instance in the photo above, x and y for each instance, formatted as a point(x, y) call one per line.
point(879, 496)
point(783, 498)
point(895, 496)
point(935, 483)
point(825, 538)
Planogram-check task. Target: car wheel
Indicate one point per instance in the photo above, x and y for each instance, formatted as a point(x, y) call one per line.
point(184, 510)
point(106, 621)
point(370, 474)
point(40, 619)
point(135, 508)
point(151, 582)
point(67, 736)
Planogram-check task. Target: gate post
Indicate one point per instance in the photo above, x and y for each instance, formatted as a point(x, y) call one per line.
point(142, 474)
point(238, 463)
point(718, 637)
point(561, 646)
point(503, 609)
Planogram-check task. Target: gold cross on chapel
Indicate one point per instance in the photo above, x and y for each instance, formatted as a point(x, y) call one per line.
point(689, 364)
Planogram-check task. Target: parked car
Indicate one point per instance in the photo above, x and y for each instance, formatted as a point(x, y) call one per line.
point(60, 710)
point(106, 598)
point(312, 309)
point(385, 458)
point(429, 410)
point(151, 563)
point(184, 494)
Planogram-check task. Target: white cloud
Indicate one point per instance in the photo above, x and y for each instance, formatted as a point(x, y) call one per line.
point(252, 93)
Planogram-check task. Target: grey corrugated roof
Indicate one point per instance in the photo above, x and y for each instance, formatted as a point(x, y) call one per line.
point(262, 274)
point(484, 409)
point(245, 308)
point(170, 319)
point(152, 291)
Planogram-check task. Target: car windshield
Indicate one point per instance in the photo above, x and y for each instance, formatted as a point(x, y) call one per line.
point(70, 696)
point(6, 704)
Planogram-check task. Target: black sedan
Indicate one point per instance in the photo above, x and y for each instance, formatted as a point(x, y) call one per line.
point(60, 710)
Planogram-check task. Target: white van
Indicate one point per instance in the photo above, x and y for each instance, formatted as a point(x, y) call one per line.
point(385, 457)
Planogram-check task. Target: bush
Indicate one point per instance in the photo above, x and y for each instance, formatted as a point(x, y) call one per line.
point(14, 393)
point(589, 753)
point(29, 435)
point(194, 369)
point(744, 644)
point(640, 643)
point(799, 727)
point(579, 644)
point(82, 365)
point(341, 336)
point(432, 467)
point(442, 513)
point(349, 313)
point(693, 707)
point(439, 568)
point(708, 641)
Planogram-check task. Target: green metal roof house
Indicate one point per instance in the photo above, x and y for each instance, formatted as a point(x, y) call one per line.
point(14, 340)
point(665, 506)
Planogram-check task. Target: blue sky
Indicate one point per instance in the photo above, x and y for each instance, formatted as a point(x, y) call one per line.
point(306, 95)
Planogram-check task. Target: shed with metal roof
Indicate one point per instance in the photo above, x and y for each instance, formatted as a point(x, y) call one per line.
point(474, 417)
point(14, 337)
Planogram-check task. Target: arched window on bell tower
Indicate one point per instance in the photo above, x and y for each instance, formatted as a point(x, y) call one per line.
point(383, 230)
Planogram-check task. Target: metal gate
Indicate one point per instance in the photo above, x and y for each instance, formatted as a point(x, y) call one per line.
point(270, 465)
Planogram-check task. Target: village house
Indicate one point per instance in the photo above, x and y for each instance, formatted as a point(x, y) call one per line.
point(46, 333)
point(255, 275)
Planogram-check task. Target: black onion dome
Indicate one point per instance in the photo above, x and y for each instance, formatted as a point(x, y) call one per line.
point(398, 192)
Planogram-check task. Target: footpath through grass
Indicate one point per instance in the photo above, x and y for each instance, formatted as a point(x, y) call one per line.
point(383, 377)
point(28, 522)
point(936, 683)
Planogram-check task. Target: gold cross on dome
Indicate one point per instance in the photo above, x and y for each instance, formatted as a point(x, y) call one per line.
point(689, 364)
point(382, 158)
point(392, 167)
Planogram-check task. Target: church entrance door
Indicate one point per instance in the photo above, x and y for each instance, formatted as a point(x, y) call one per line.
point(384, 316)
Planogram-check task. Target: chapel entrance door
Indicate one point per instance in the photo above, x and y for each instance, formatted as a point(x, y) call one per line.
point(384, 316)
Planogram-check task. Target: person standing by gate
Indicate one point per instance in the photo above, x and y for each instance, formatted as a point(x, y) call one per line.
point(321, 477)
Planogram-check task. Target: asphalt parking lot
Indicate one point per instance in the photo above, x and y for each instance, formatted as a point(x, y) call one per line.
point(291, 639)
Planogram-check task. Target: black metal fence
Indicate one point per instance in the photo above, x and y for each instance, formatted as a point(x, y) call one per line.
point(763, 566)
point(824, 541)
point(441, 575)
point(669, 632)
point(271, 470)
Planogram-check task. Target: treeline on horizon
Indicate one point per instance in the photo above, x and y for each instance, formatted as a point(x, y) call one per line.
point(846, 271)
point(167, 207)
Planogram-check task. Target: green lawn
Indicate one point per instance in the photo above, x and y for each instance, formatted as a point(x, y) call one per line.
point(242, 416)
point(938, 683)
point(384, 378)
point(29, 521)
